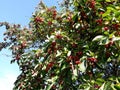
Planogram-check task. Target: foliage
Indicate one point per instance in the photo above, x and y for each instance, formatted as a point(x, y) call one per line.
point(77, 48)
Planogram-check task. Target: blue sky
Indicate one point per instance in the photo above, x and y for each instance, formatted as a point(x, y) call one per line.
point(19, 12)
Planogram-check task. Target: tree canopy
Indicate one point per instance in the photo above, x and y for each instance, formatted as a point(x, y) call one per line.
point(74, 48)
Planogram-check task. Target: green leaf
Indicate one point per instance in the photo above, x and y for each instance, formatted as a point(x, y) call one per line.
point(108, 0)
point(88, 88)
point(115, 38)
point(83, 66)
point(69, 53)
point(102, 87)
point(97, 38)
point(75, 72)
point(75, 17)
point(117, 14)
point(49, 86)
point(108, 86)
point(100, 80)
point(58, 53)
point(117, 86)
point(53, 79)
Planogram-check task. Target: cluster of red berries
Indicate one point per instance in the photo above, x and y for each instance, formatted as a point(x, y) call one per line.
point(99, 21)
point(109, 44)
point(38, 19)
point(116, 26)
point(52, 48)
point(76, 58)
point(49, 65)
point(58, 36)
point(106, 28)
point(17, 57)
point(92, 4)
point(92, 59)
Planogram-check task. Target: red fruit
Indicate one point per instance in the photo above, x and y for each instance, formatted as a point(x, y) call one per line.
point(49, 66)
point(69, 18)
point(18, 57)
point(58, 36)
point(111, 43)
point(38, 19)
point(24, 44)
point(50, 23)
point(77, 62)
point(75, 58)
point(115, 26)
point(53, 43)
point(92, 4)
point(106, 28)
point(74, 45)
point(71, 57)
point(54, 13)
point(107, 46)
point(91, 59)
point(101, 13)
point(99, 21)
point(96, 86)
point(79, 53)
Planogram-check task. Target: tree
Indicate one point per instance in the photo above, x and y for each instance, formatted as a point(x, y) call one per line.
point(77, 48)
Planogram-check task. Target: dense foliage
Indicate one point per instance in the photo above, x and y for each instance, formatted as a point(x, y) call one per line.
point(77, 48)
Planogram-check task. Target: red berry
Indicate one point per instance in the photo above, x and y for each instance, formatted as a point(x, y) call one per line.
point(79, 53)
point(96, 86)
point(91, 59)
point(99, 21)
point(18, 57)
point(77, 62)
point(50, 23)
point(92, 4)
point(49, 65)
point(115, 26)
point(23, 45)
point(58, 36)
point(53, 44)
point(101, 13)
point(106, 45)
point(106, 28)
point(74, 45)
point(38, 19)
point(75, 58)
point(54, 13)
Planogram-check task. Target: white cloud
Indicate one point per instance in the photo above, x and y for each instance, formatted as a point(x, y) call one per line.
point(7, 81)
